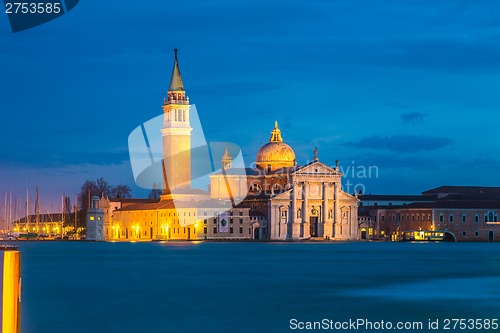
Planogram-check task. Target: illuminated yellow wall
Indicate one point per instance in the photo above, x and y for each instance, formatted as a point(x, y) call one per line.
point(41, 228)
point(177, 143)
point(176, 224)
point(178, 169)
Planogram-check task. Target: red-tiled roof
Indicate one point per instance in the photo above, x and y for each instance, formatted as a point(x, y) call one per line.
point(133, 200)
point(392, 197)
point(171, 204)
point(443, 204)
point(473, 190)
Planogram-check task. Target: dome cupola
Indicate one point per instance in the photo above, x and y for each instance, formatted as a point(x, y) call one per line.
point(275, 154)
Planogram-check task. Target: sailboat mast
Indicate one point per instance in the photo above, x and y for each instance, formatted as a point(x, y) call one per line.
point(5, 212)
point(76, 214)
point(62, 213)
point(27, 209)
point(9, 221)
point(37, 210)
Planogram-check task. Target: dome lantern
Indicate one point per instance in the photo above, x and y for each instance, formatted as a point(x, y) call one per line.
point(275, 154)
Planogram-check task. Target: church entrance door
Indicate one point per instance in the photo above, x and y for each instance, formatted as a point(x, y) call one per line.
point(314, 226)
point(256, 233)
point(363, 233)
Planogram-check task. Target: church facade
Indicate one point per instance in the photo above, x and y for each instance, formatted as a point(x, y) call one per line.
point(280, 200)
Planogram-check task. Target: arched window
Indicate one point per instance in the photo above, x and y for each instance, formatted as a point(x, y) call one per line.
point(254, 187)
point(491, 217)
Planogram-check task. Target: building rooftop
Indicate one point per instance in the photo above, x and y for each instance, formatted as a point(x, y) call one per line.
point(133, 200)
point(392, 197)
point(440, 204)
point(471, 190)
point(178, 204)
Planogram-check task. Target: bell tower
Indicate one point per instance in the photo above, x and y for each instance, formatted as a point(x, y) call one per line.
point(176, 134)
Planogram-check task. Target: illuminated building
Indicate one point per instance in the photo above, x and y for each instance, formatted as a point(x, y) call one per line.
point(283, 201)
point(48, 224)
point(464, 213)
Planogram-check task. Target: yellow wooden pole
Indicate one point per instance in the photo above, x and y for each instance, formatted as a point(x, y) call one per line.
point(11, 290)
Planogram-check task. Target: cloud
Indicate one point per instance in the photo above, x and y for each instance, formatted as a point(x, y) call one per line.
point(402, 143)
point(413, 117)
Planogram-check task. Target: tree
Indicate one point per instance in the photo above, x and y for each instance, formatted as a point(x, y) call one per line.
point(88, 189)
point(120, 191)
point(155, 193)
point(100, 187)
point(103, 188)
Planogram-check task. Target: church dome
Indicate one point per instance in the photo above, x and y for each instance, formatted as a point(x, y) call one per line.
point(275, 154)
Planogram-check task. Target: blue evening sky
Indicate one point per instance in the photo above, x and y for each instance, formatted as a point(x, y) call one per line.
point(411, 87)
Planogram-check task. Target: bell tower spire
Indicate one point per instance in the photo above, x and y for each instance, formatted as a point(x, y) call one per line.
point(176, 134)
point(176, 79)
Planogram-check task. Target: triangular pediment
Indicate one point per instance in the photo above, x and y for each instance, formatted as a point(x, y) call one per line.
point(316, 168)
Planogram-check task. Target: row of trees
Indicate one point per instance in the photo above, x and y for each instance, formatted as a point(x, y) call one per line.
point(90, 188)
point(101, 187)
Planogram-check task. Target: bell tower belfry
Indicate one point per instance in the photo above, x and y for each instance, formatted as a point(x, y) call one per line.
point(227, 160)
point(176, 134)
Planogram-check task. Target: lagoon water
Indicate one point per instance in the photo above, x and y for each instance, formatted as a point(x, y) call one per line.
point(251, 287)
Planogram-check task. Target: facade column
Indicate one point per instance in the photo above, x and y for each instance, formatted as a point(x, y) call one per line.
point(294, 203)
point(337, 220)
point(279, 227)
point(294, 226)
point(353, 218)
point(325, 209)
point(305, 232)
point(349, 222)
point(274, 223)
